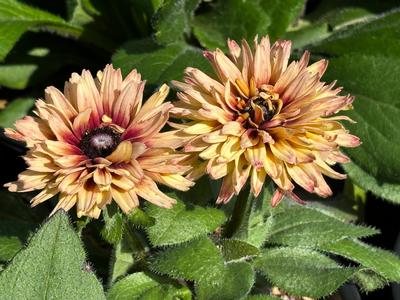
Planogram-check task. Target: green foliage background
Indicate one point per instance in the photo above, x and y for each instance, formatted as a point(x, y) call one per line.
point(186, 252)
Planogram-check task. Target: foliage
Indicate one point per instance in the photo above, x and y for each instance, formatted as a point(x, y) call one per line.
point(184, 252)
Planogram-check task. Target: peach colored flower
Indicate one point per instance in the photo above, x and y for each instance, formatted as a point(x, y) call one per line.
point(261, 116)
point(98, 142)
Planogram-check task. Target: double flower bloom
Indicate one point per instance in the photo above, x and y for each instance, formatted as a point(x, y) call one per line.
point(259, 118)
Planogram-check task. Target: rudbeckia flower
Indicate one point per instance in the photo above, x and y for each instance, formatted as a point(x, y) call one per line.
point(98, 142)
point(262, 117)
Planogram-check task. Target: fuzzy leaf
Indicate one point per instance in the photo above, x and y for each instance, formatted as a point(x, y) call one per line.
point(114, 225)
point(234, 283)
point(386, 190)
point(282, 14)
point(376, 92)
point(181, 223)
point(369, 281)
point(15, 110)
point(302, 226)
point(237, 250)
point(366, 37)
point(234, 19)
point(51, 267)
point(380, 162)
point(380, 261)
point(139, 218)
point(142, 286)
point(300, 271)
point(156, 63)
point(123, 259)
point(172, 20)
point(196, 260)
point(261, 297)
point(16, 18)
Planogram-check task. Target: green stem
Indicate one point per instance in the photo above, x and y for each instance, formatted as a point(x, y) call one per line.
point(238, 213)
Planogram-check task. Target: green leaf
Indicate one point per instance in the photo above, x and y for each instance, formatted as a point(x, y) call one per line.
point(114, 224)
point(172, 20)
point(235, 282)
point(386, 190)
point(237, 250)
point(300, 271)
point(376, 92)
point(139, 218)
point(15, 110)
point(143, 286)
point(158, 64)
point(16, 18)
point(123, 259)
point(307, 35)
point(196, 260)
point(302, 226)
point(37, 57)
point(282, 14)
point(369, 281)
point(380, 261)
point(234, 19)
point(183, 222)
point(365, 37)
point(261, 297)
point(17, 220)
point(51, 267)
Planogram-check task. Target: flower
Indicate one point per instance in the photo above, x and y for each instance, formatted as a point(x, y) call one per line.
point(262, 116)
point(98, 142)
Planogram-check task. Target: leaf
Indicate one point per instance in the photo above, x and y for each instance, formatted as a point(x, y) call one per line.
point(114, 224)
point(38, 56)
point(380, 261)
point(51, 267)
point(235, 282)
point(282, 14)
point(306, 227)
point(300, 271)
point(183, 222)
point(237, 250)
point(158, 64)
point(196, 260)
point(143, 286)
point(234, 19)
point(17, 220)
point(365, 37)
point(261, 297)
point(15, 110)
point(369, 281)
point(139, 218)
point(376, 92)
point(172, 20)
point(16, 18)
point(386, 190)
point(123, 259)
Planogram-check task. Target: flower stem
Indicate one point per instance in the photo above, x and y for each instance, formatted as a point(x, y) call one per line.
point(238, 213)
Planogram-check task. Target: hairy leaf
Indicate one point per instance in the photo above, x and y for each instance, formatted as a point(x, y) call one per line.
point(172, 20)
point(51, 267)
point(183, 222)
point(237, 250)
point(234, 19)
point(380, 261)
point(16, 18)
point(196, 260)
point(143, 286)
point(301, 226)
point(158, 64)
point(300, 271)
point(234, 283)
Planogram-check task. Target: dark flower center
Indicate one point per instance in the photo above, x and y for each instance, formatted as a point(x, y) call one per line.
point(258, 110)
point(100, 142)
